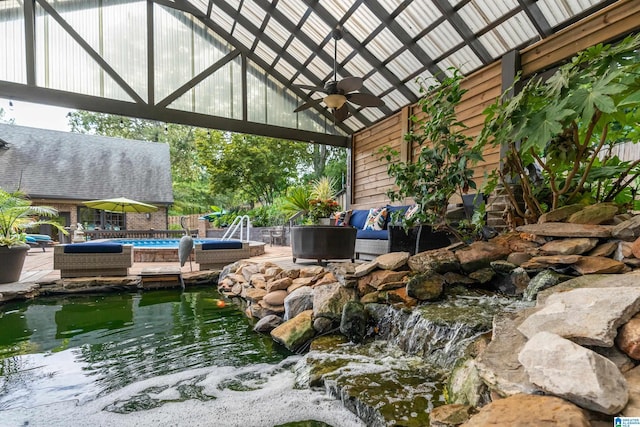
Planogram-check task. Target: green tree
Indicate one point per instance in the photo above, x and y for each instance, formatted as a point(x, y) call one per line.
point(255, 168)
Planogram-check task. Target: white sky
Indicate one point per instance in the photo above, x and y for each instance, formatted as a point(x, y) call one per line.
point(36, 115)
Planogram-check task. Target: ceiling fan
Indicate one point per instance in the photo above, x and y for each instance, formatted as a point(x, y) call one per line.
point(339, 93)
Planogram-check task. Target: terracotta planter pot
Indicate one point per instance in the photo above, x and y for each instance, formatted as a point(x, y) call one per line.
point(11, 262)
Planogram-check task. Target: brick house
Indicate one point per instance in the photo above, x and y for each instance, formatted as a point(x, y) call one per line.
point(62, 170)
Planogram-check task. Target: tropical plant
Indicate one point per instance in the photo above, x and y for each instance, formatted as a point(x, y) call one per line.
point(445, 154)
point(312, 202)
point(17, 215)
point(559, 133)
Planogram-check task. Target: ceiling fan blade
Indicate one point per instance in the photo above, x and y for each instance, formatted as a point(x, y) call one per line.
point(341, 113)
point(314, 88)
point(365, 99)
point(350, 84)
point(309, 104)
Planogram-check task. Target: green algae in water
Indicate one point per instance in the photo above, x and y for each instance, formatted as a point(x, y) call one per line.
point(112, 340)
point(377, 380)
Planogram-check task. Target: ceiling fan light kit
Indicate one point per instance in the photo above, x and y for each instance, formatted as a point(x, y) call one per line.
point(335, 100)
point(338, 93)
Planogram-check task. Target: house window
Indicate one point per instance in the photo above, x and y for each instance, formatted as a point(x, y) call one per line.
point(94, 218)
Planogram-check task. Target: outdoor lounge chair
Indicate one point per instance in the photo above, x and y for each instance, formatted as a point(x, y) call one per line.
point(93, 259)
point(39, 241)
point(215, 255)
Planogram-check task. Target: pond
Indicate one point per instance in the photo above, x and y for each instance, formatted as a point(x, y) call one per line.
point(181, 357)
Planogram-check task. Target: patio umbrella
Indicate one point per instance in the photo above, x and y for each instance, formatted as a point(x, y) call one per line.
point(120, 204)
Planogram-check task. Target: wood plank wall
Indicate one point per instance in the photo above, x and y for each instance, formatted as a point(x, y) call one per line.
point(369, 177)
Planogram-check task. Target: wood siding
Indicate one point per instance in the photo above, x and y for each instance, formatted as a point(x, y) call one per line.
point(369, 177)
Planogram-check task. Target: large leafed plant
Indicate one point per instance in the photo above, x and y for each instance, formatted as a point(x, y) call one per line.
point(560, 133)
point(444, 155)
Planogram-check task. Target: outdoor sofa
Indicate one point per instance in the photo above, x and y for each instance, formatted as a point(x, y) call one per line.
point(216, 254)
point(93, 259)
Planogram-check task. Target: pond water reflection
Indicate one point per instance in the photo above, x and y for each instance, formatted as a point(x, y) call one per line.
point(64, 351)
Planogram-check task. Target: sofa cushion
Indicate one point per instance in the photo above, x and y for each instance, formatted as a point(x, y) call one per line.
point(222, 244)
point(372, 234)
point(342, 218)
point(376, 219)
point(94, 248)
point(358, 218)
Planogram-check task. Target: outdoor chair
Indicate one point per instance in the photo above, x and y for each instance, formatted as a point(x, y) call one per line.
point(39, 241)
point(217, 254)
point(92, 259)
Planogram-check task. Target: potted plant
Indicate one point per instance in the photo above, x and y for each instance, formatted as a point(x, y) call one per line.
point(442, 167)
point(560, 133)
point(315, 204)
point(17, 215)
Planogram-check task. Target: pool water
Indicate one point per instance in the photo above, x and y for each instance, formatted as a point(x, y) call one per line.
point(158, 243)
point(122, 359)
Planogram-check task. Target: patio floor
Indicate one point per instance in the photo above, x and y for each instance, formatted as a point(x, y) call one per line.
point(38, 265)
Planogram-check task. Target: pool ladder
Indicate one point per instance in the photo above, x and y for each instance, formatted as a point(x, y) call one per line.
point(242, 224)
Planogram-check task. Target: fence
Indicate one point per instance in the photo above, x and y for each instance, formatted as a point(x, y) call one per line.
point(137, 234)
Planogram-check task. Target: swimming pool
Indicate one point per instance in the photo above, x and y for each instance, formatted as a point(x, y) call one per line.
point(166, 250)
point(157, 243)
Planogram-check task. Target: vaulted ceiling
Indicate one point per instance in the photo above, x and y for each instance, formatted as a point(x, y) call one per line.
point(237, 64)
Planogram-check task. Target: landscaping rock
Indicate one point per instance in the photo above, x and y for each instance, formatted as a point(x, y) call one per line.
point(426, 287)
point(297, 301)
point(633, 383)
point(575, 246)
point(378, 279)
point(598, 265)
point(392, 260)
point(437, 260)
point(465, 385)
point(353, 323)
point(480, 254)
point(329, 299)
point(365, 268)
point(565, 369)
point(604, 249)
point(594, 214)
point(253, 294)
point(295, 332)
point(563, 229)
point(275, 298)
point(279, 284)
point(529, 410)
point(514, 283)
point(628, 339)
point(560, 214)
point(498, 365)
point(268, 323)
point(628, 230)
point(518, 258)
point(589, 316)
point(450, 415)
point(543, 280)
point(482, 276)
point(453, 279)
point(541, 262)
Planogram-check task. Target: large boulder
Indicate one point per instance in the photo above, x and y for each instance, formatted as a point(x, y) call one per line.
point(296, 332)
point(329, 299)
point(498, 364)
point(589, 316)
point(565, 369)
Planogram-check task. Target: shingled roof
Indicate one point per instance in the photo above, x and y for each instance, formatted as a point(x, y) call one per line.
point(62, 165)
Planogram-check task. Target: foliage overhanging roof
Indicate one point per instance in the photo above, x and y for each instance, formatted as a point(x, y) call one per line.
point(233, 64)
